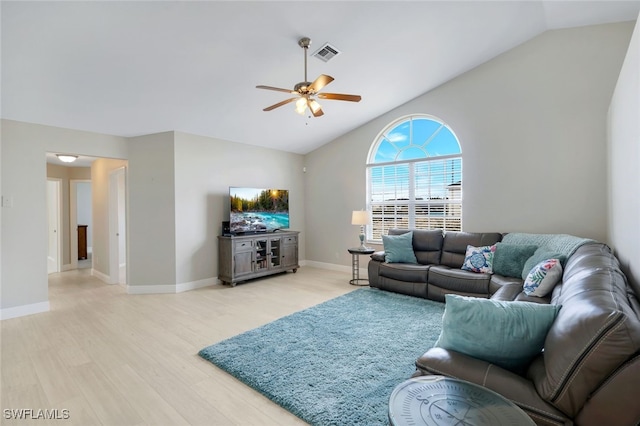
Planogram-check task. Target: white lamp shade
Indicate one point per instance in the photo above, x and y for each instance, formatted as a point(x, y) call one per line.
point(360, 217)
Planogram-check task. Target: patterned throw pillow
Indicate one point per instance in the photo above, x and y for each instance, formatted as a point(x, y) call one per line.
point(543, 278)
point(479, 259)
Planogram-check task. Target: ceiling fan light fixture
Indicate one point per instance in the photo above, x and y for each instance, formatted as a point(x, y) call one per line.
point(301, 106)
point(314, 106)
point(307, 91)
point(66, 158)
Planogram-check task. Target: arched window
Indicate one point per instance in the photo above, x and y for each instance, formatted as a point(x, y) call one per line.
point(414, 177)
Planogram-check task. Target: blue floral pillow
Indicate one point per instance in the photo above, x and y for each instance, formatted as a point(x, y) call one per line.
point(479, 259)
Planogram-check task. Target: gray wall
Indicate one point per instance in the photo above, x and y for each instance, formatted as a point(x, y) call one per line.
point(532, 126)
point(204, 169)
point(151, 203)
point(624, 158)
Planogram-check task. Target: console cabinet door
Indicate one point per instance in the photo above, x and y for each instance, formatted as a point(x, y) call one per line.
point(243, 260)
point(242, 263)
point(290, 252)
point(275, 247)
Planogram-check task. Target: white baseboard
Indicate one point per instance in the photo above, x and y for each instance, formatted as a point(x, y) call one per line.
point(170, 288)
point(329, 266)
point(67, 267)
point(192, 285)
point(21, 311)
point(103, 277)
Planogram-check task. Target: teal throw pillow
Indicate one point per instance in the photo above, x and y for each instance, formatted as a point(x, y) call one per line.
point(507, 334)
point(541, 254)
point(509, 259)
point(399, 248)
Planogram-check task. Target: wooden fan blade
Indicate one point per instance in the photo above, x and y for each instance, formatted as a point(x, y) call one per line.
point(279, 104)
point(319, 83)
point(339, 97)
point(277, 89)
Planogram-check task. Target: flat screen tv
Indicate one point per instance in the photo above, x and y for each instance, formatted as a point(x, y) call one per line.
point(258, 210)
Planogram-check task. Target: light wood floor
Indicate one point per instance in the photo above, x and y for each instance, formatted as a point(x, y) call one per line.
point(110, 358)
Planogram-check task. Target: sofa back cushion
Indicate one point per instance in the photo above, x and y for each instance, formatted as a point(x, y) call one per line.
point(594, 333)
point(454, 246)
point(427, 244)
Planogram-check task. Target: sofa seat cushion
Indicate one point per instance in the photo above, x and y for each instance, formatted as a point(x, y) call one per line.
point(513, 386)
point(459, 281)
point(499, 281)
point(405, 272)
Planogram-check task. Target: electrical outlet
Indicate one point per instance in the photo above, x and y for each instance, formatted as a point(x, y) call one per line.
point(7, 201)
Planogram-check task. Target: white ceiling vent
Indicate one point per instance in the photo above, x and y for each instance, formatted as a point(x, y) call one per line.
point(326, 52)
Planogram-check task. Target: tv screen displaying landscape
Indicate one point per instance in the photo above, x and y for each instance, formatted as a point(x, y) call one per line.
point(258, 210)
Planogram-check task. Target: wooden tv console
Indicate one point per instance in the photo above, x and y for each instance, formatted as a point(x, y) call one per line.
point(244, 257)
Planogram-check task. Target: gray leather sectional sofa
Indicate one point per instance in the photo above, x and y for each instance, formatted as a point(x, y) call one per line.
point(589, 371)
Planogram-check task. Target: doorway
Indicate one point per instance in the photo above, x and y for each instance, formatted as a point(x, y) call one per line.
point(80, 213)
point(54, 202)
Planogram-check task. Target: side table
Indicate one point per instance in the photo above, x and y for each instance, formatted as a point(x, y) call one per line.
point(441, 401)
point(355, 265)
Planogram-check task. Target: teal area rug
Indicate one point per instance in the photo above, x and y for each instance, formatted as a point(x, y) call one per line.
point(338, 362)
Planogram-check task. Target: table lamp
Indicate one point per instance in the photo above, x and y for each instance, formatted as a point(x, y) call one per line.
point(360, 217)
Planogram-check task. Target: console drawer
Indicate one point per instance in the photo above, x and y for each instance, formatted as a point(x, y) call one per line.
point(290, 240)
point(246, 245)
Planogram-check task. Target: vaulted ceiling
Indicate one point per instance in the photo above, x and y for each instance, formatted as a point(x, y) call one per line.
point(134, 68)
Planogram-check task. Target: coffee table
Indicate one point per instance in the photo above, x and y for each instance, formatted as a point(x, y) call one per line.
point(442, 401)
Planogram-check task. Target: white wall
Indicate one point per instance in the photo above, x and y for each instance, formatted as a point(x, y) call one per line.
point(205, 168)
point(532, 125)
point(24, 226)
point(624, 159)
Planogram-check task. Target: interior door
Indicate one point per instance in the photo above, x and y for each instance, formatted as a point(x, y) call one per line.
point(117, 227)
point(54, 228)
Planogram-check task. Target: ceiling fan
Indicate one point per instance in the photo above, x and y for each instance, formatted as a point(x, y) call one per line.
point(306, 92)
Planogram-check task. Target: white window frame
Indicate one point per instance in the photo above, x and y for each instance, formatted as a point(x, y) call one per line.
point(450, 217)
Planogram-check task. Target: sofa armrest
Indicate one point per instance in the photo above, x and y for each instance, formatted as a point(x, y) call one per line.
point(379, 256)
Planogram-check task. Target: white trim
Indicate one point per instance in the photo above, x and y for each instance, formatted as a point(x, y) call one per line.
point(151, 289)
point(170, 288)
point(192, 285)
point(23, 310)
point(102, 276)
point(329, 266)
